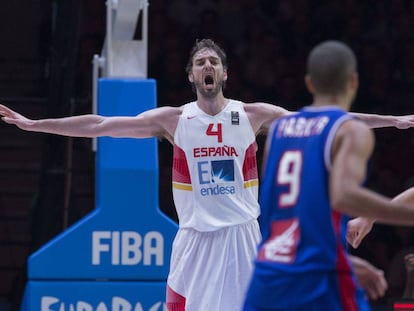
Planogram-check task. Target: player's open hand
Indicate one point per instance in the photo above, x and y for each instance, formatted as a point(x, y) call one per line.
point(405, 122)
point(12, 117)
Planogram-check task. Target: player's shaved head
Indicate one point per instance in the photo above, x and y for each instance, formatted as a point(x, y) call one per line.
point(330, 67)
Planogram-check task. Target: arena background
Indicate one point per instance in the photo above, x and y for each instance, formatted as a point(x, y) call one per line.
point(46, 51)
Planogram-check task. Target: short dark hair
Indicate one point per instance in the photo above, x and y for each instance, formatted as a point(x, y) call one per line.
point(206, 44)
point(330, 66)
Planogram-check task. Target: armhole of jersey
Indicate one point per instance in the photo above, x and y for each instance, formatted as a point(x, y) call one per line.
point(242, 104)
point(329, 140)
point(185, 106)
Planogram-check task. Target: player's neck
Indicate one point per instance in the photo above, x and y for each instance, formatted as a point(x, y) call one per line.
point(212, 106)
point(331, 100)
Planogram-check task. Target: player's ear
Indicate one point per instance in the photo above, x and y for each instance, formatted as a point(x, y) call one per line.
point(355, 80)
point(225, 75)
point(309, 84)
point(191, 77)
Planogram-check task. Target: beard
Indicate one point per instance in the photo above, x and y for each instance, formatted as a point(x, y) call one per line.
point(210, 92)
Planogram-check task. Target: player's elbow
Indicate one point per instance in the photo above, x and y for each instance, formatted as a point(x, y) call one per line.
point(339, 202)
point(345, 200)
point(100, 127)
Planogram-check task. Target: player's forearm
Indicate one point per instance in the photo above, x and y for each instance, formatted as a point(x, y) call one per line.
point(78, 126)
point(376, 120)
point(358, 201)
point(357, 262)
point(406, 197)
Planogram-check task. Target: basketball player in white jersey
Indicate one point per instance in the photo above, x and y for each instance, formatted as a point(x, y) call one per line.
point(215, 179)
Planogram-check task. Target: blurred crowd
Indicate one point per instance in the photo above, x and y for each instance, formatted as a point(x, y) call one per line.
point(266, 43)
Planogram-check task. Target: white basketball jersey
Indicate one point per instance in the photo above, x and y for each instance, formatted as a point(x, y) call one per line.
point(215, 179)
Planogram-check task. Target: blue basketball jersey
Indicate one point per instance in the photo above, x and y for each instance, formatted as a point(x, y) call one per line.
point(303, 252)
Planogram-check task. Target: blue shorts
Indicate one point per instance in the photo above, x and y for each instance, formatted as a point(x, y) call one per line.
point(328, 300)
point(322, 303)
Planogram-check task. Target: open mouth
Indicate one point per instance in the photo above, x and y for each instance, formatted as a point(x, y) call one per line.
point(208, 80)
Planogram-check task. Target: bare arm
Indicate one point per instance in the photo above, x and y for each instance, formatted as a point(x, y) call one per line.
point(406, 197)
point(378, 121)
point(359, 227)
point(353, 146)
point(261, 115)
point(369, 277)
point(155, 122)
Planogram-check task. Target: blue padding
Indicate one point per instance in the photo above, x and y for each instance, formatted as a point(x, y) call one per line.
point(126, 237)
point(45, 296)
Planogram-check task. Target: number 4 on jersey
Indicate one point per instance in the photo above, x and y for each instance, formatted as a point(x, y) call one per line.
point(215, 130)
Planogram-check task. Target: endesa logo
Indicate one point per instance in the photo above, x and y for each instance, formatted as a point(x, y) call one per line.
point(50, 303)
point(216, 175)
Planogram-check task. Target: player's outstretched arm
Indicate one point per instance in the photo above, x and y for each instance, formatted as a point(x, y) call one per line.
point(378, 121)
point(150, 123)
point(82, 126)
point(262, 115)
